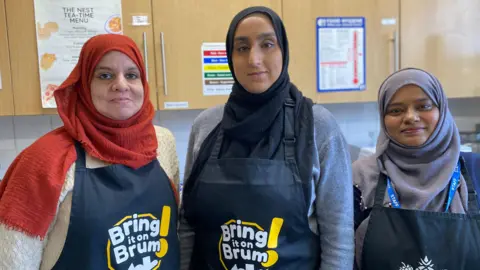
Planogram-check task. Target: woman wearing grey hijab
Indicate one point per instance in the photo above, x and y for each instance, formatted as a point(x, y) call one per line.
point(417, 205)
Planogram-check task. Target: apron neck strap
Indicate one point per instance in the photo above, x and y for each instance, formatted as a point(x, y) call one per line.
point(80, 163)
point(217, 145)
point(380, 190)
point(289, 141)
point(472, 193)
point(289, 130)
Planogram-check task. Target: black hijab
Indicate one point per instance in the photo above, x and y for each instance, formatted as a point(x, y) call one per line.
point(248, 116)
point(253, 123)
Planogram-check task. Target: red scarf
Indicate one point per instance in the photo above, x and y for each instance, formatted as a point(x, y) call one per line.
point(30, 191)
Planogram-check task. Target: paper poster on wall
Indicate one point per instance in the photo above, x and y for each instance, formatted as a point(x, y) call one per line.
point(217, 78)
point(63, 26)
point(341, 54)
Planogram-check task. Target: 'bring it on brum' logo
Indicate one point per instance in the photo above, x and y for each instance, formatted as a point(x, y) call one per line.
point(137, 242)
point(247, 246)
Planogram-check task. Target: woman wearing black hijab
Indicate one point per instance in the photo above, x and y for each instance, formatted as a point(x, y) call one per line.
point(268, 177)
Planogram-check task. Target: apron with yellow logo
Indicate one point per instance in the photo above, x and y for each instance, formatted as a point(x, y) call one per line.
point(122, 219)
point(251, 214)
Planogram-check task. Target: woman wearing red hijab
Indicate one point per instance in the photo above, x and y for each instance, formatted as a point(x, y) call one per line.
point(96, 193)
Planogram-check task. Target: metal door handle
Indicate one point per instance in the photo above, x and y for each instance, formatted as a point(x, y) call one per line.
point(145, 53)
point(396, 57)
point(164, 65)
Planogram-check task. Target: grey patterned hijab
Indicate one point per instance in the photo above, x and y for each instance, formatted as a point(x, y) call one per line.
point(420, 175)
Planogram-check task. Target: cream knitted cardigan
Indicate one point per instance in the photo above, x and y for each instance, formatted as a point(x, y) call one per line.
point(21, 252)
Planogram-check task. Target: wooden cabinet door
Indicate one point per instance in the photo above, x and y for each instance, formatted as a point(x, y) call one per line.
point(185, 25)
point(143, 37)
point(442, 37)
point(6, 95)
point(381, 19)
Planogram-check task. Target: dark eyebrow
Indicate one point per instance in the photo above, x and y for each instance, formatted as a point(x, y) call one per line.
point(259, 37)
point(418, 100)
point(109, 69)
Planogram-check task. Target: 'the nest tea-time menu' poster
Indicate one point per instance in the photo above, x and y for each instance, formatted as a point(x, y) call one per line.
point(63, 26)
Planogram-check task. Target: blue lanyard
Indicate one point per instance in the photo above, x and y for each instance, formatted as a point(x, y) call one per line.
point(454, 182)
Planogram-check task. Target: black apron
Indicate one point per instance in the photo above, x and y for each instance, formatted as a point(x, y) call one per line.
point(404, 239)
point(121, 218)
point(251, 214)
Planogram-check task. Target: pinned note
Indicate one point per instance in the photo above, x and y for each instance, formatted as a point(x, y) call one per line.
point(176, 105)
point(140, 20)
point(389, 21)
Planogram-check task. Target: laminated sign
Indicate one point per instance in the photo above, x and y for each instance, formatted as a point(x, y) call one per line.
point(340, 54)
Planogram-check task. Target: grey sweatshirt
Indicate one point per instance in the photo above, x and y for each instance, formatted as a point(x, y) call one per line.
point(331, 208)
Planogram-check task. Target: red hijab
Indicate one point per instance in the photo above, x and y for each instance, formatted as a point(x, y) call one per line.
point(31, 188)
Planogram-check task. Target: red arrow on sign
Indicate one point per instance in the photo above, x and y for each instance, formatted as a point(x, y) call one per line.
point(355, 57)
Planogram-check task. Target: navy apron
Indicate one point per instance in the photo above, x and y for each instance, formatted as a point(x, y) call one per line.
point(251, 214)
point(122, 219)
point(404, 239)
